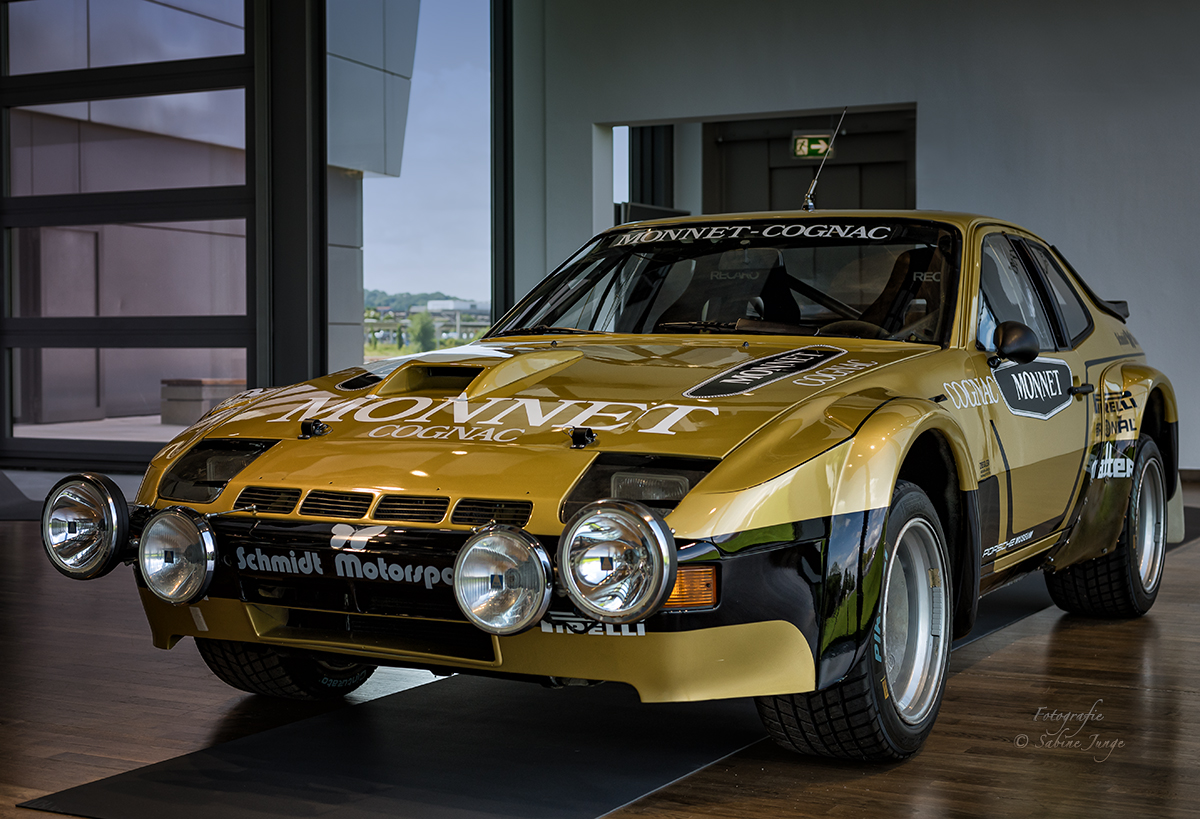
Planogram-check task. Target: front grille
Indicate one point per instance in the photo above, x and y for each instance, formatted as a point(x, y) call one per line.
point(336, 504)
point(269, 500)
point(475, 512)
point(412, 508)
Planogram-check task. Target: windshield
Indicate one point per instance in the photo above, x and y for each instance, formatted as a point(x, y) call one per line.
point(892, 279)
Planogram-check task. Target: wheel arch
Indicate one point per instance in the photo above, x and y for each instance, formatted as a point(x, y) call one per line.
point(933, 464)
point(904, 438)
point(1157, 415)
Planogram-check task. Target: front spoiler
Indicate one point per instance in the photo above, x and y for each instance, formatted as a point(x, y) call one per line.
point(764, 658)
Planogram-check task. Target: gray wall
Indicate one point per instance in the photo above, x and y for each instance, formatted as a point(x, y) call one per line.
point(1077, 121)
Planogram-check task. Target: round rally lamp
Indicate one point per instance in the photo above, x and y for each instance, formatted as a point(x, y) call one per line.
point(503, 580)
point(176, 554)
point(85, 525)
point(616, 559)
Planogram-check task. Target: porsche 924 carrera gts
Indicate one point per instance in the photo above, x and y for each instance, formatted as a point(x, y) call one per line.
point(778, 456)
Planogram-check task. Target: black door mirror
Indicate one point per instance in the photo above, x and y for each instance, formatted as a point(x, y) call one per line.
point(1016, 342)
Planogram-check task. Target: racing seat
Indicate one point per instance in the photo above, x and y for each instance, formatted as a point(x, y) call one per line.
point(913, 292)
point(743, 283)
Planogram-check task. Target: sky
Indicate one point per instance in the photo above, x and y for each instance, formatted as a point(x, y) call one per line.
point(430, 228)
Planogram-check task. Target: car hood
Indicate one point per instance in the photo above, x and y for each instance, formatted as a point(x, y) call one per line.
point(495, 418)
point(696, 397)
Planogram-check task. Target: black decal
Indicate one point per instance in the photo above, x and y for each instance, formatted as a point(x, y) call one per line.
point(1039, 389)
point(750, 375)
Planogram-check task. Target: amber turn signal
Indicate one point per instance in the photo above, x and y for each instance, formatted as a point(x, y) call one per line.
point(695, 588)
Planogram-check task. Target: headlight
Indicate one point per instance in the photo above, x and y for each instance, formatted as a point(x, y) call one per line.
point(649, 487)
point(503, 580)
point(85, 524)
point(617, 561)
point(202, 472)
point(176, 554)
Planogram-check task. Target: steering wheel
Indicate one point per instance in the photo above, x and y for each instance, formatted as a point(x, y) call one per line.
point(853, 328)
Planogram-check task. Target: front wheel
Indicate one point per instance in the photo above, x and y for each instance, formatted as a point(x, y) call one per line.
point(1124, 582)
point(886, 706)
point(262, 669)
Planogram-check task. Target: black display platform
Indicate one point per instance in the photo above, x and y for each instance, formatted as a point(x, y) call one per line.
point(461, 748)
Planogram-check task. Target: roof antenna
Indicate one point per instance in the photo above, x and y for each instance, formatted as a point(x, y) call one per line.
point(808, 197)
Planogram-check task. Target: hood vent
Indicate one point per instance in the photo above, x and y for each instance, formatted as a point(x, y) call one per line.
point(321, 504)
point(269, 500)
point(476, 512)
point(412, 509)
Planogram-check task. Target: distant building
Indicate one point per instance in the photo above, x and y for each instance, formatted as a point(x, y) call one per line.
point(455, 306)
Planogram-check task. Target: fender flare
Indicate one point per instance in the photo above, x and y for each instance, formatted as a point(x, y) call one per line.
point(857, 529)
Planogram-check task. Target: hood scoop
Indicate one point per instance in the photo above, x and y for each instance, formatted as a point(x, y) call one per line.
point(437, 378)
point(522, 371)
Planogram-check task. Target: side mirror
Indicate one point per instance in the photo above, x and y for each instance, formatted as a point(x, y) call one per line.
point(1014, 341)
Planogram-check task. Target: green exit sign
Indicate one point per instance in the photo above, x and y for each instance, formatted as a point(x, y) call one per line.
point(810, 146)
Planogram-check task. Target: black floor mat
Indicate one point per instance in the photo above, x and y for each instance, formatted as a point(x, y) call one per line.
point(13, 503)
point(462, 747)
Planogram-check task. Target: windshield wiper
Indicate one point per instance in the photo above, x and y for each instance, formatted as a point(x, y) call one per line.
point(772, 328)
point(543, 330)
point(720, 326)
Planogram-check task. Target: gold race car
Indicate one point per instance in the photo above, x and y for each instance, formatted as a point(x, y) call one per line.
point(776, 455)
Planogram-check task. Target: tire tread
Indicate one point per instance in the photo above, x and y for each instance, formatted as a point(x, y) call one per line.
point(263, 670)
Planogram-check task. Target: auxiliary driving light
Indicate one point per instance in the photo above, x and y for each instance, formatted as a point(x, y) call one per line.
point(503, 580)
point(616, 559)
point(177, 553)
point(85, 525)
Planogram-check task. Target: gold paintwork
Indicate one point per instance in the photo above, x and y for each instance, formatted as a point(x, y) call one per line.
point(788, 452)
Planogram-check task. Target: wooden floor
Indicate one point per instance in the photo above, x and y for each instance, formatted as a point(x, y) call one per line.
point(83, 696)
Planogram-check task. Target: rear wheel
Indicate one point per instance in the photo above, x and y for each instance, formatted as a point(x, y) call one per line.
point(1124, 582)
point(886, 706)
point(266, 670)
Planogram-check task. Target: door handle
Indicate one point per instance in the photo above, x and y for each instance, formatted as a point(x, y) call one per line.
point(1082, 389)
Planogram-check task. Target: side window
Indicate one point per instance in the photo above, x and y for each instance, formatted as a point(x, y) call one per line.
point(1006, 293)
point(1073, 313)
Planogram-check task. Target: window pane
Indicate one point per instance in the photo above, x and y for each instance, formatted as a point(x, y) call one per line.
point(59, 35)
point(1069, 306)
point(119, 394)
point(1008, 294)
point(168, 141)
point(165, 269)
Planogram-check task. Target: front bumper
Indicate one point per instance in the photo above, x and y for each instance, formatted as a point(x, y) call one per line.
point(741, 660)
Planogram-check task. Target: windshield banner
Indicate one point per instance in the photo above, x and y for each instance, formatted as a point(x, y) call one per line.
point(778, 230)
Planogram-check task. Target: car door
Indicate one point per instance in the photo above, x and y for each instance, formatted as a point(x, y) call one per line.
point(1039, 426)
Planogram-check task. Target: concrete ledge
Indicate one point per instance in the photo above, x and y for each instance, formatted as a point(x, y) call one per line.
point(185, 400)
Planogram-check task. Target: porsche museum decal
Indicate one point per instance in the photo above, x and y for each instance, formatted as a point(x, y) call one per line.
point(750, 375)
point(1039, 389)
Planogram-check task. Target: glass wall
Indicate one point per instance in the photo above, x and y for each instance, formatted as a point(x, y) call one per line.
point(150, 269)
point(127, 220)
point(61, 35)
point(139, 143)
point(119, 394)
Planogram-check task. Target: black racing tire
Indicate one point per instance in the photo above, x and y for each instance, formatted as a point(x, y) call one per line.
point(1123, 583)
point(260, 669)
point(882, 711)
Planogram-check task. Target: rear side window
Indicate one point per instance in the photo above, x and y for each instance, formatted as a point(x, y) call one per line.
point(1075, 316)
